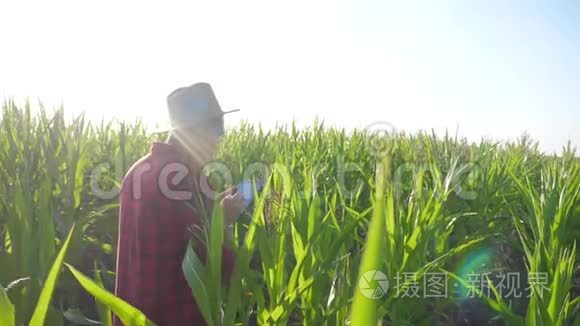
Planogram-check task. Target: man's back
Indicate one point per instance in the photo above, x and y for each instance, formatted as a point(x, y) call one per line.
point(153, 238)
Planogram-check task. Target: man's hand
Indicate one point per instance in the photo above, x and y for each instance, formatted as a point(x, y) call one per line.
point(229, 191)
point(232, 205)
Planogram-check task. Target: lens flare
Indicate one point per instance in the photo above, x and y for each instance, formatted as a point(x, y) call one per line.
point(472, 269)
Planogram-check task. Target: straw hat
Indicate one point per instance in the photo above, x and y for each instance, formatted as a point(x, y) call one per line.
point(193, 106)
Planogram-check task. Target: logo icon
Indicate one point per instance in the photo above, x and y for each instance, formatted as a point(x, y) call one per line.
point(379, 133)
point(373, 284)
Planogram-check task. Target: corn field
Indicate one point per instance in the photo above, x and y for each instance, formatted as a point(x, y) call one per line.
point(445, 222)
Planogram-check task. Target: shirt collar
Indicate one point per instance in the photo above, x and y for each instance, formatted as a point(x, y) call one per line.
point(167, 151)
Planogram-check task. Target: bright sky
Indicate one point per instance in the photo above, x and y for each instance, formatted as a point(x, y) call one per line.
point(493, 68)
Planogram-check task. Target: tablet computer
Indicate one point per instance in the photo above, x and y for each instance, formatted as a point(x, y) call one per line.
point(246, 189)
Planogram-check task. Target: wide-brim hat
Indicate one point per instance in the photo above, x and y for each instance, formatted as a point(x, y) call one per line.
point(192, 106)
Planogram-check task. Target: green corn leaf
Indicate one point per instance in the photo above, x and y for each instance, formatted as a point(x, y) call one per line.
point(214, 263)
point(243, 257)
point(46, 228)
point(105, 314)
point(49, 285)
point(196, 276)
point(7, 313)
point(128, 314)
point(364, 309)
point(77, 318)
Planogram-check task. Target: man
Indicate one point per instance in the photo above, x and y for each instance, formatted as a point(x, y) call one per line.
point(159, 207)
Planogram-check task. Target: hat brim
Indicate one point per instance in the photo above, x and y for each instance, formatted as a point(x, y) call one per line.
point(230, 111)
point(166, 128)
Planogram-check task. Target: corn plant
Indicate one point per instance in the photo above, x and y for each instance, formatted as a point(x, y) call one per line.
point(332, 209)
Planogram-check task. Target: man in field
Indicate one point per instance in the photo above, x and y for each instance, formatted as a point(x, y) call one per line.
point(162, 202)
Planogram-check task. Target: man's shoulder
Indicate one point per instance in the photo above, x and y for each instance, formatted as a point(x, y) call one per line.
point(140, 176)
point(153, 163)
point(141, 167)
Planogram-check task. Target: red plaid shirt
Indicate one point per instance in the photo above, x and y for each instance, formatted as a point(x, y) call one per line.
point(153, 237)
